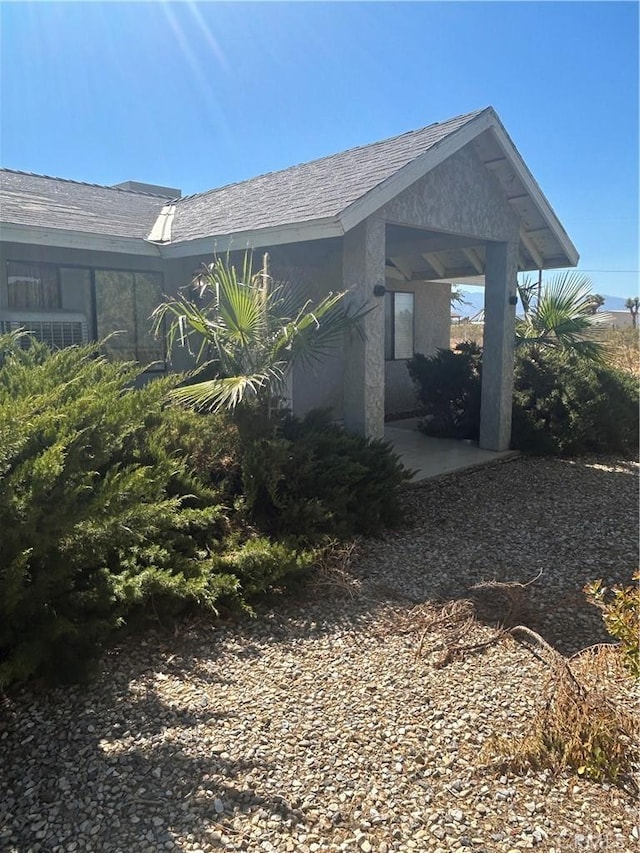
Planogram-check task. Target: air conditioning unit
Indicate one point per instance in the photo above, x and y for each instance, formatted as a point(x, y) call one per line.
point(56, 329)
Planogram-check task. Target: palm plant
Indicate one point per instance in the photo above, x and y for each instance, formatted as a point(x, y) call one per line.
point(561, 316)
point(246, 332)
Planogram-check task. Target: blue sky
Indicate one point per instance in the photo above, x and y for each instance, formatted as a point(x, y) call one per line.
point(197, 95)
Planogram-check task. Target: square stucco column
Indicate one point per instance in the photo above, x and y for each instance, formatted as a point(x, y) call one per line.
point(499, 337)
point(362, 269)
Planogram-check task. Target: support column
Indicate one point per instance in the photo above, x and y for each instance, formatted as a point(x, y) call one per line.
point(363, 263)
point(499, 337)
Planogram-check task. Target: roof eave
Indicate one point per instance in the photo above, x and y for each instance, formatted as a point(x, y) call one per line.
point(315, 229)
point(69, 239)
point(532, 187)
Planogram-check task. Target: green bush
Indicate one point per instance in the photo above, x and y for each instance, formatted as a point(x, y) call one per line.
point(112, 506)
point(448, 386)
point(620, 608)
point(115, 507)
point(566, 405)
point(97, 513)
point(563, 403)
point(312, 479)
point(265, 565)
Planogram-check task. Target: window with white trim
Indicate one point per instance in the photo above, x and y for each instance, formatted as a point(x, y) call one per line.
point(398, 325)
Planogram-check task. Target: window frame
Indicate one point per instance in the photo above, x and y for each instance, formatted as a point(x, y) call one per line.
point(390, 343)
point(36, 264)
point(158, 367)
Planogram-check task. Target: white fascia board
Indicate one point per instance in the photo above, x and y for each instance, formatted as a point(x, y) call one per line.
point(413, 171)
point(531, 185)
point(316, 229)
point(36, 235)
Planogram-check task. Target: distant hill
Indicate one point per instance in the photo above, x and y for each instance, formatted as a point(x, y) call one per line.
point(474, 303)
point(614, 303)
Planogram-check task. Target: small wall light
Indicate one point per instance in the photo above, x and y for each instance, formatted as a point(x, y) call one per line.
point(379, 290)
point(513, 300)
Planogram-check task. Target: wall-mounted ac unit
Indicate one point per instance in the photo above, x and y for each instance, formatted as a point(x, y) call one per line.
point(56, 329)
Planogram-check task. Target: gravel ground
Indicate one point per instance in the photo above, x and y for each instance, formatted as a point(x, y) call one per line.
point(317, 726)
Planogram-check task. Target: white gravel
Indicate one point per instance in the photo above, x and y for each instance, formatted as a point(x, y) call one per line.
point(317, 727)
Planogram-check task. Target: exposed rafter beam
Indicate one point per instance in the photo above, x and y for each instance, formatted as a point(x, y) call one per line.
point(400, 242)
point(435, 263)
point(533, 250)
point(453, 273)
point(537, 231)
point(495, 163)
point(403, 266)
point(522, 264)
point(474, 259)
point(391, 271)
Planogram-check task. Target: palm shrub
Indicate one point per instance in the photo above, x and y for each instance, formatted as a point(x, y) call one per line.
point(246, 332)
point(561, 317)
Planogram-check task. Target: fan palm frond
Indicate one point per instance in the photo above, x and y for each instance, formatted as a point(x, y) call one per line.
point(562, 317)
point(252, 329)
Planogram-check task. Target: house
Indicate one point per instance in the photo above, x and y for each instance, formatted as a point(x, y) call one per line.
point(392, 223)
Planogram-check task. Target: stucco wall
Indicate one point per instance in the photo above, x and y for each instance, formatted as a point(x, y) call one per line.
point(459, 196)
point(313, 269)
point(432, 313)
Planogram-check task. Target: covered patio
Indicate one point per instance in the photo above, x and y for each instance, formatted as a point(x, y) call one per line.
point(467, 207)
point(430, 457)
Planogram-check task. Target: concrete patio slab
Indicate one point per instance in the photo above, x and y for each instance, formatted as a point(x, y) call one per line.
point(434, 457)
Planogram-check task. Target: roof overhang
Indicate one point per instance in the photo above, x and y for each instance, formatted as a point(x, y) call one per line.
point(544, 244)
point(315, 229)
point(66, 239)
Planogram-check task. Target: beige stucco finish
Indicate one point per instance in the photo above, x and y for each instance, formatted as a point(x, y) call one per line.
point(432, 321)
point(460, 196)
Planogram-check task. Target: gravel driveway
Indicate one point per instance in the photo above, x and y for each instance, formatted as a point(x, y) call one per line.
point(317, 726)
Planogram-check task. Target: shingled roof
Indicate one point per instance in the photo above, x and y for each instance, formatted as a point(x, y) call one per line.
point(320, 189)
point(42, 201)
point(323, 198)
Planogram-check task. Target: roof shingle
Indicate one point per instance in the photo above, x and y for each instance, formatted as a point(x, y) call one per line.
point(41, 201)
point(315, 190)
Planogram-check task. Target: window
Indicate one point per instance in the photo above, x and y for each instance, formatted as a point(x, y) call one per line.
point(33, 287)
point(398, 325)
point(124, 303)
